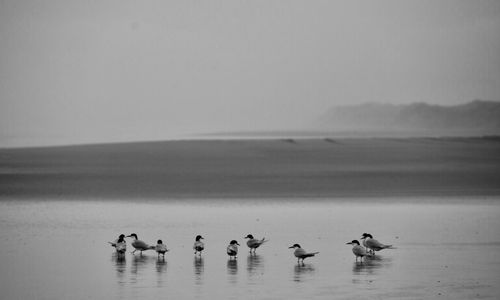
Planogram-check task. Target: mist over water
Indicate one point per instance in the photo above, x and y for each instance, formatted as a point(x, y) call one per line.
point(58, 249)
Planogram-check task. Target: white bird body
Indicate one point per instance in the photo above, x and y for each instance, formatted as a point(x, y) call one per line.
point(363, 242)
point(358, 250)
point(253, 243)
point(198, 245)
point(301, 253)
point(121, 247)
point(232, 249)
point(120, 244)
point(140, 245)
point(373, 244)
point(161, 248)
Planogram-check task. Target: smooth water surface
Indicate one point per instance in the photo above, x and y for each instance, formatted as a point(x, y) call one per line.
point(59, 249)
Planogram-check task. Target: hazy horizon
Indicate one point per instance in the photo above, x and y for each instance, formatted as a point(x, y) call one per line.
point(75, 72)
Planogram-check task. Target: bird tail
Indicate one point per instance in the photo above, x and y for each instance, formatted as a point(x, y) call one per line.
point(311, 254)
point(112, 244)
point(389, 247)
point(263, 240)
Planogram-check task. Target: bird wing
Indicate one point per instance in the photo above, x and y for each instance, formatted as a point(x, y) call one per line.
point(161, 248)
point(232, 250)
point(254, 243)
point(138, 244)
point(376, 245)
point(301, 253)
point(198, 246)
point(360, 251)
point(121, 247)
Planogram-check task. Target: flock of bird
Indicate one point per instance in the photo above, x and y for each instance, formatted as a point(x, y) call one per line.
point(368, 248)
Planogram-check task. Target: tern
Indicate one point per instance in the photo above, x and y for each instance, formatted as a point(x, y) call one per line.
point(198, 245)
point(363, 241)
point(358, 250)
point(301, 253)
point(120, 244)
point(161, 248)
point(232, 249)
point(140, 245)
point(253, 243)
point(373, 244)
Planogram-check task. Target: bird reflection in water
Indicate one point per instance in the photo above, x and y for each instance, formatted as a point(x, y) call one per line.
point(255, 264)
point(139, 263)
point(199, 268)
point(232, 270)
point(120, 266)
point(161, 267)
point(161, 264)
point(370, 266)
point(302, 272)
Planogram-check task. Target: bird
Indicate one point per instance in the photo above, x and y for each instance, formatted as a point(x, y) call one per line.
point(301, 253)
point(120, 244)
point(161, 248)
point(253, 243)
point(198, 245)
point(363, 241)
point(358, 250)
point(113, 244)
point(232, 249)
point(373, 244)
point(140, 245)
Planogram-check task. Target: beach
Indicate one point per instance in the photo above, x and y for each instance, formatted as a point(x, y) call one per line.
point(276, 168)
point(435, 200)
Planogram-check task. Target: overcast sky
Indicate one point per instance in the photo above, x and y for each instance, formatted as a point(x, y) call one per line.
point(102, 71)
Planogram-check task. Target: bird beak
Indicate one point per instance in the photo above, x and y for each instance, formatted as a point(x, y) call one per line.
point(349, 243)
point(238, 244)
point(290, 247)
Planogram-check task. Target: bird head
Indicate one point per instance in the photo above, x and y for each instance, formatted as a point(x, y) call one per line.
point(294, 246)
point(199, 237)
point(354, 242)
point(233, 242)
point(249, 236)
point(159, 242)
point(133, 235)
point(366, 235)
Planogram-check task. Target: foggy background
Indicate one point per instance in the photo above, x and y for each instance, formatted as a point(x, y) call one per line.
point(106, 71)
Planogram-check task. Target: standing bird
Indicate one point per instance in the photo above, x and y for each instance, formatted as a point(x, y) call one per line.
point(253, 244)
point(161, 248)
point(363, 241)
point(373, 244)
point(232, 249)
point(358, 250)
point(120, 244)
point(198, 245)
point(301, 253)
point(139, 245)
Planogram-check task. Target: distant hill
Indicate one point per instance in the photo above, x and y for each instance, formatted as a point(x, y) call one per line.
point(474, 118)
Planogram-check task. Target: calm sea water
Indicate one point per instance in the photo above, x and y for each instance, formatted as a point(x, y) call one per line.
point(59, 250)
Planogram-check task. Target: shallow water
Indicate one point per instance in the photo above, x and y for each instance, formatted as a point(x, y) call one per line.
point(59, 250)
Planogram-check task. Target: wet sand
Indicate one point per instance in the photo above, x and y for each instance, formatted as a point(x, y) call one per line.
point(286, 168)
point(58, 250)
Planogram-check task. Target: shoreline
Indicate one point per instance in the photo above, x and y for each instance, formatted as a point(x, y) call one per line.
point(264, 168)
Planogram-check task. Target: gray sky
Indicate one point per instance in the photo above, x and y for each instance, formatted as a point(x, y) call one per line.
point(101, 71)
